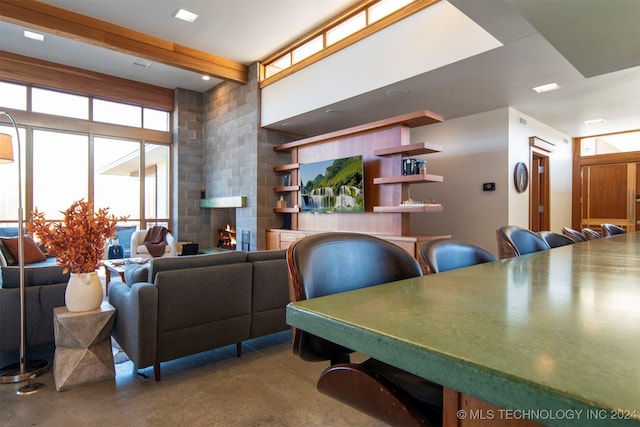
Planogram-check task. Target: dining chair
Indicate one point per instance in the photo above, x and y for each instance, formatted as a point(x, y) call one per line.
point(555, 240)
point(330, 263)
point(447, 254)
point(609, 230)
point(591, 234)
point(514, 241)
point(573, 234)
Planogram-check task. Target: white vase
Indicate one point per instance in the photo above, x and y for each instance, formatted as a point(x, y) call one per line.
point(84, 292)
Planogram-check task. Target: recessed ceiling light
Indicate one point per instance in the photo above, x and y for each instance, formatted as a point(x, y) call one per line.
point(206, 78)
point(33, 36)
point(594, 121)
point(547, 88)
point(396, 92)
point(141, 63)
point(334, 112)
point(185, 15)
point(288, 125)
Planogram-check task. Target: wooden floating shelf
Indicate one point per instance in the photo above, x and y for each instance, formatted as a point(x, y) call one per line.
point(416, 119)
point(286, 210)
point(284, 168)
point(286, 189)
point(409, 149)
point(408, 178)
point(408, 208)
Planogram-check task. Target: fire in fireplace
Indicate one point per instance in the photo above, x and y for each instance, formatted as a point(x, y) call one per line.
point(227, 237)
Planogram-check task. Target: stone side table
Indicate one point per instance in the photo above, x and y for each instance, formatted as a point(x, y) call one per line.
point(83, 346)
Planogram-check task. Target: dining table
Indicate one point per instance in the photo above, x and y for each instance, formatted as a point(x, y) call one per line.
point(549, 338)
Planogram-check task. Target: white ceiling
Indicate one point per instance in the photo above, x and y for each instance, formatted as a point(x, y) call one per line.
point(591, 48)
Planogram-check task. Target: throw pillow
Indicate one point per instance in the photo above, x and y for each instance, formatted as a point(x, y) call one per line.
point(32, 252)
point(8, 258)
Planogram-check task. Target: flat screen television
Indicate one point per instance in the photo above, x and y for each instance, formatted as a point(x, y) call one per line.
point(332, 185)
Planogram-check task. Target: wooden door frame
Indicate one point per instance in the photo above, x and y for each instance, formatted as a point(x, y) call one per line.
point(579, 161)
point(539, 148)
point(541, 188)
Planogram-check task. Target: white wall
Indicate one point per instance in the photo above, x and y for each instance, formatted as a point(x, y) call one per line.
point(475, 150)
point(560, 170)
point(485, 148)
point(373, 62)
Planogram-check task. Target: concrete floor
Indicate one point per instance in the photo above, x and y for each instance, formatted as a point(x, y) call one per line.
point(267, 386)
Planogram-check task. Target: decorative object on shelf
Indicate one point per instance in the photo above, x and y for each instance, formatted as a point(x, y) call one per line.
point(521, 177)
point(77, 242)
point(282, 203)
point(286, 179)
point(413, 166)
point(24, 369)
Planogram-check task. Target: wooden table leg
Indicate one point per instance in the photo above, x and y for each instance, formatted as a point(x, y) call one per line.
point(107, 279)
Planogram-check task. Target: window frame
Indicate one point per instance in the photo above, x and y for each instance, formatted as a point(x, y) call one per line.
point(30, 121)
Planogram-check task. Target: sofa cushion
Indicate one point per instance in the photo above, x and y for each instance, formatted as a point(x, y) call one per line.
point(181, 262)
point(32, 252)
point(135, 272)
point(266, 255)
point(46, 273)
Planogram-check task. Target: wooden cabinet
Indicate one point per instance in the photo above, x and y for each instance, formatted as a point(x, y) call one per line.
point(281, 239)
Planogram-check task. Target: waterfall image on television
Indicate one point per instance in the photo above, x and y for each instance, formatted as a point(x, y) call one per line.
point(332, 185)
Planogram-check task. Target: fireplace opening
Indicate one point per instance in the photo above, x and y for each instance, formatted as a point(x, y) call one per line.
point(227, 238)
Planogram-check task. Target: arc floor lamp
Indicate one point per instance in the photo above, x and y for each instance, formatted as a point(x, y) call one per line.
point(24, 369)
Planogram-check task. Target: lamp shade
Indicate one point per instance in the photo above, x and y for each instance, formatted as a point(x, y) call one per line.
point(6, 148)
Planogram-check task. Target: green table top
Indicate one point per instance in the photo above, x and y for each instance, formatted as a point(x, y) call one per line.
point(555, 333)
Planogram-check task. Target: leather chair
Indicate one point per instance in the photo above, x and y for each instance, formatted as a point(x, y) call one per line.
point(448, 254)
point(555, 240)
point(139, 250)
point(591, 234)
point(609, 230)
point(515, 241)
point(331, 263)
point(575, 235)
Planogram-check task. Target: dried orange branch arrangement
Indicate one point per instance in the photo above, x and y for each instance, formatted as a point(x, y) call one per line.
point(78, 240)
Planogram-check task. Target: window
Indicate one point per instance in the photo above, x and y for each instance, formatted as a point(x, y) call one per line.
point(9, 179)
point(307, 49)
point(13, 96)
point(278, 65)
point(348, 27)
point(59, 103)
point(155, 119)
point(69, 160)
point(117, 167)
point(608, 144)
point(117, 113)
point(384, 8)
point(60, 171)
point(156, 160)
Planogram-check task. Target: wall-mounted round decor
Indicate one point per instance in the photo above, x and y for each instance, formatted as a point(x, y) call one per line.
point(521, 177)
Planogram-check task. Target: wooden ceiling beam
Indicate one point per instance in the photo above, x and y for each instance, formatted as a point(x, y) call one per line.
point(64, 23)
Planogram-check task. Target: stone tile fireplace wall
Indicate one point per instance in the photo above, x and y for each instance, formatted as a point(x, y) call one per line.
point(220, 146)
point(238, 157)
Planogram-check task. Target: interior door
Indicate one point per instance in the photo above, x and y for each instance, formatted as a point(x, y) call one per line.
point(609, 195)
point(539, 193)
